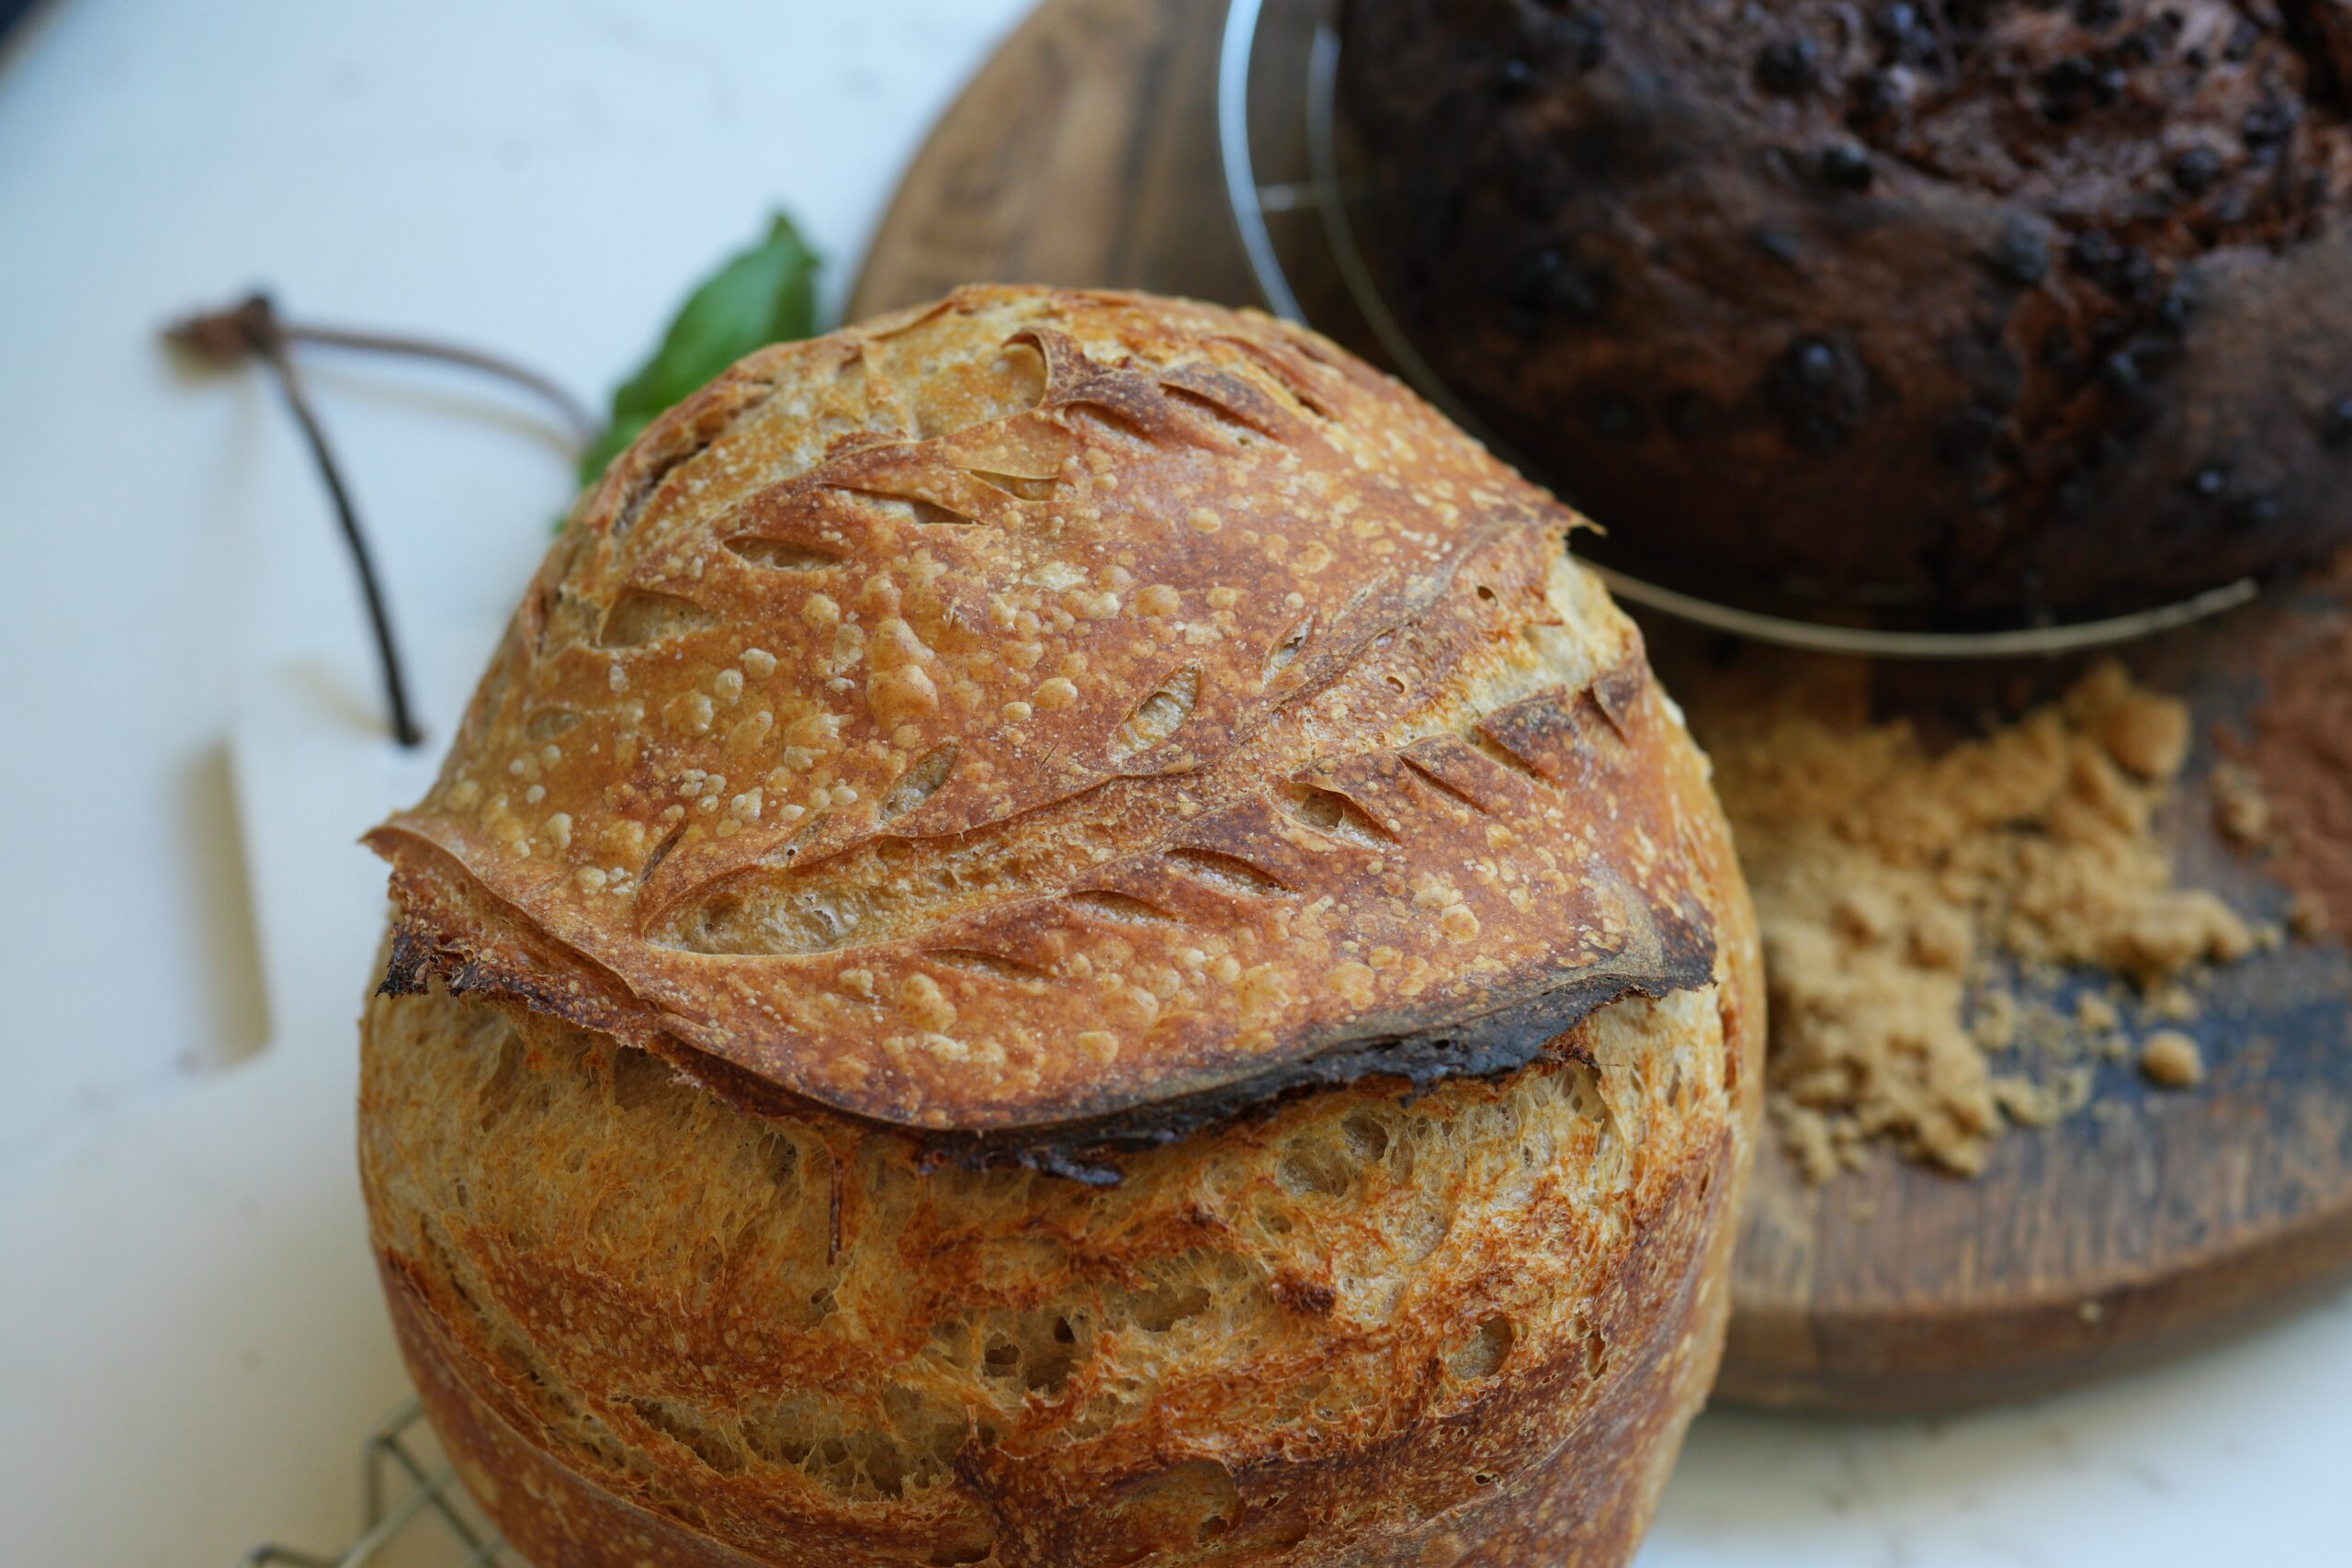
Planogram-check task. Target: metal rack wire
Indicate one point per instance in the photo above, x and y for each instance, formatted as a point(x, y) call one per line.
point(400, 1488)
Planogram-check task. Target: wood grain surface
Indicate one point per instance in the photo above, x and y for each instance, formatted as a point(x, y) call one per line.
point(2154, 1222)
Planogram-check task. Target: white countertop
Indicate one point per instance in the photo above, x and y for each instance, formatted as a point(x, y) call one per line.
point(190, 1339)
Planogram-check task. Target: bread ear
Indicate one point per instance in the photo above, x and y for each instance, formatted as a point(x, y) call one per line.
point(1054, 722)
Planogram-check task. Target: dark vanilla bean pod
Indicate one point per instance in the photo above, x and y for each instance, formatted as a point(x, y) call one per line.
point(404, 726)
point(579, 426)
point(762, 294)
point(225, 337)
point(252, 328)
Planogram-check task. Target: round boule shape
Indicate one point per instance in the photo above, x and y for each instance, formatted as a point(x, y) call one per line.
point(1062, 934)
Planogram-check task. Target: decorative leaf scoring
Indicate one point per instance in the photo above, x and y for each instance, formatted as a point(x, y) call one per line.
point(674, 441)
point(922, 780)
point(1367, 804)
point(909, 508)
point(1285, 653)
point(661, 851)
point(1330, 813)
point(1159, 715)
point(1099, 420)
point(1461, 769)
point(995, 965)
point(782, 555)
point(1294, 379)
point(1120, 907)
point(640, 616)
point(1019, 487)
point(828, 748)
point(1229, 874)
point(1230, 425)
point(1544, 734)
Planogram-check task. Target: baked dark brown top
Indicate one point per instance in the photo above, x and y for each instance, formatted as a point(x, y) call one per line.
point(2004, 305)
point(1064, 715)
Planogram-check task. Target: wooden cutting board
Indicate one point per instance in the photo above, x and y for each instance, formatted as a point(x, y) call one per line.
point(1086, 153)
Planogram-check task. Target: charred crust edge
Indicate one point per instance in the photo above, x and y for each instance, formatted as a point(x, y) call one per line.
point(409, 968)
point(1421, 1051)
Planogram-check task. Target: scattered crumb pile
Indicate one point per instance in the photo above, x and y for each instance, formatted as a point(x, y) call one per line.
point(2172, 1058)
point(1895, 880)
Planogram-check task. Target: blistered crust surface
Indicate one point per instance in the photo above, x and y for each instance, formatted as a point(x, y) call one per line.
point(1466, 1329)
point(1013, 713)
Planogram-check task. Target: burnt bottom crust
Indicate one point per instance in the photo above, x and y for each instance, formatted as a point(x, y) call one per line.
point(655, 1329)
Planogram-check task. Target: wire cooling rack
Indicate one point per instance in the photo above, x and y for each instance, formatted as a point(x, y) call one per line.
point(415, 1510)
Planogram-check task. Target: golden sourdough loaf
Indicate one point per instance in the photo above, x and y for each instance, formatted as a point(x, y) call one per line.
point(1062, 935)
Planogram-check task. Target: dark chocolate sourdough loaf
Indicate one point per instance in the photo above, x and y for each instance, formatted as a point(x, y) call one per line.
point(1998, 306)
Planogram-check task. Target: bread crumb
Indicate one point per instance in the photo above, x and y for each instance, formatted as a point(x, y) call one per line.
point(2307, 917)
point(2173, 1059)
point(1911, 898)
point(2144, 730)
point(2241, 811)
point(2030, 1103)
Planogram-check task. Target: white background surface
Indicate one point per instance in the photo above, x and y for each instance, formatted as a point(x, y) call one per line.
point(190, 1338)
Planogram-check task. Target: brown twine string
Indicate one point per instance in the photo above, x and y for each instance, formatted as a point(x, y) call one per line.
point(253, 328)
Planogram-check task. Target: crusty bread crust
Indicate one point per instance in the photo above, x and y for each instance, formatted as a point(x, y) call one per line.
point(1056, 720)
point(1352, 1331)
point(1409, 1006)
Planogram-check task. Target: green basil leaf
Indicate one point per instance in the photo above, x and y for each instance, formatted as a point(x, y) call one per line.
point(767, 294)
